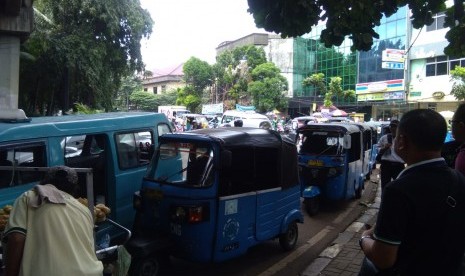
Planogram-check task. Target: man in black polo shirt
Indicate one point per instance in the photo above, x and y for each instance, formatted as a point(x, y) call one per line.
point(421, 223)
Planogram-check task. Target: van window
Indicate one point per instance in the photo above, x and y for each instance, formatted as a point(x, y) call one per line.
point(88, 151)
point(163, 128)
point(24, 155)
point(133, 149)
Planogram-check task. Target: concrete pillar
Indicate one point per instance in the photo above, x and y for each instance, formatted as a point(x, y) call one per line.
point(9, 71)
point(9, 78)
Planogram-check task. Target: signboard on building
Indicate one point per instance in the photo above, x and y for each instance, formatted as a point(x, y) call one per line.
point(393, 55)
point(381, 90)
point(393, 59)
point(392, 65)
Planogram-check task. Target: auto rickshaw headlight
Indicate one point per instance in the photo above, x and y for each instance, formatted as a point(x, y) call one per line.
point(332, 172)
point(137, 201)
point(180, 214)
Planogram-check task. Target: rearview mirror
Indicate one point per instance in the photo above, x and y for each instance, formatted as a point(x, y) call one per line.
point(347, 141)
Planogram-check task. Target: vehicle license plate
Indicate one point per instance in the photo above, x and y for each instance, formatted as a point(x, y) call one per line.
point(318, 163)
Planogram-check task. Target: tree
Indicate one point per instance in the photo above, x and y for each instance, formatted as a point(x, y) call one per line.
point(231, 70)
point(198, 75)
point(128, 86)
point(355, 19)
point(332, 91)
point(82, 50)
point(458, 88)
point(142, 100)
point(268, 88)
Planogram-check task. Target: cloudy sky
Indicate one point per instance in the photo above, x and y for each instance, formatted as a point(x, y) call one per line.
point(186, 28)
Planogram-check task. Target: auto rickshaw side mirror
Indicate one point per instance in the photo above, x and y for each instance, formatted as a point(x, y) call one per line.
point(225, 160)
point(347, 141)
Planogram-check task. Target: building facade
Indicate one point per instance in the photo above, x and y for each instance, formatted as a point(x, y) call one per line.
point(163, 80)
point(405, 69)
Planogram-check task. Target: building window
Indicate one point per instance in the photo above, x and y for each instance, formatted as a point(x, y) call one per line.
point(145, 89)
point(155, 90)
point(438, 22)
point(163, 88)
point(442, 65)
point(432, 106)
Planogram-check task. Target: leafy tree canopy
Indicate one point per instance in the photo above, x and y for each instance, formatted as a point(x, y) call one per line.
point(458, 88)
point(355, 19)
point(331, 90)
point(82, 49)
point(268, 88)
point(198, 74)
point(142, 100)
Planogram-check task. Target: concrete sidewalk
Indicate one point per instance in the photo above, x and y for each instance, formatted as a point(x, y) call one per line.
point(344, 257)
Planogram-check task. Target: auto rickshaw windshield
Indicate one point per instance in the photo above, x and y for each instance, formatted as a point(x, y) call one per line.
point(318, 142)
point(182, 163)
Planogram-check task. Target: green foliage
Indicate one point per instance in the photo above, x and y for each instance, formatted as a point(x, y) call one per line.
point(142, 100)
point(198, 74)
point(356, 19)
point(84, 109)
point(129, 85)
point(82, 49)
point(231, 71)
point(458, 88)
point(188, 98)
point(268, 88)
point(167, 98)
point(333, 90)
point(317, 80)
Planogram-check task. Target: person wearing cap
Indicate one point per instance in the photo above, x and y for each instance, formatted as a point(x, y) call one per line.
point(391, 163)
point(49, 232)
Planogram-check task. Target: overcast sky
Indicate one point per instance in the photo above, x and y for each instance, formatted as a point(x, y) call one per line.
point(185, 28)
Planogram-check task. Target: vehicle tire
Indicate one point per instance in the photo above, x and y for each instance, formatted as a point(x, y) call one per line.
point(358, 192)
point(288, 239)
point(148, 266)
point(312, 205)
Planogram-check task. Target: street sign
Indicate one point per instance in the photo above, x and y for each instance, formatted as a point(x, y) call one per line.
point(392, 65)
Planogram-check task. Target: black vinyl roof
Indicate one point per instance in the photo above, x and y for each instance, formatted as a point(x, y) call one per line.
point(237, 136)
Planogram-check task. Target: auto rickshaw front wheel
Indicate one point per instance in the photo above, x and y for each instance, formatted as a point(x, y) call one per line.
point(288, 239)
point(146, 266)
point(312, 205)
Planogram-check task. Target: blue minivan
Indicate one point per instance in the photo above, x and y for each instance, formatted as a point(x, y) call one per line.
point(117, 146)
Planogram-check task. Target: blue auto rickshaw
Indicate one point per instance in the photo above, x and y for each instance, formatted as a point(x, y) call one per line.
point(211, 194)
point(330, 162)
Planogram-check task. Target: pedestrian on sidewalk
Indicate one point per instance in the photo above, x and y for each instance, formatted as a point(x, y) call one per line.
point(420, 224)
point(391, 163)
point(458, 132)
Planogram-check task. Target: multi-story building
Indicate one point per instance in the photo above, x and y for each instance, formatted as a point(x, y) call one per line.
point(405, 69)
point(163, 80)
